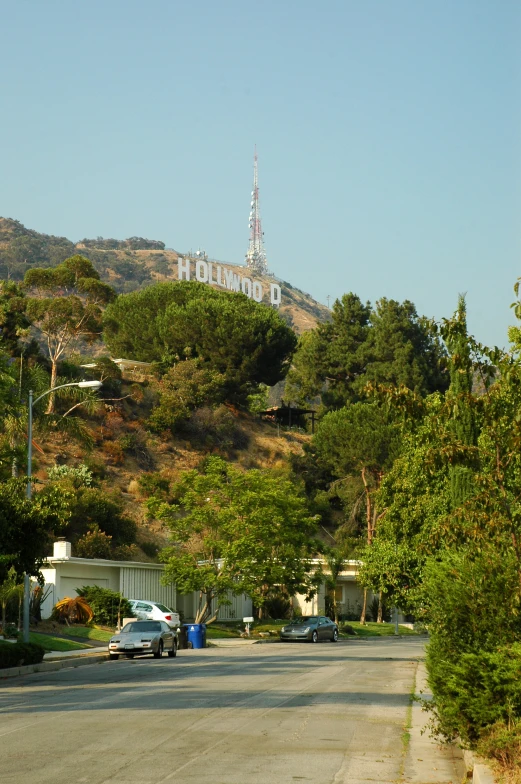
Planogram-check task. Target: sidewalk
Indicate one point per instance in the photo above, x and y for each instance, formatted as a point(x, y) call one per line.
point(54, 655)
point(231, 642)
point(428, 762)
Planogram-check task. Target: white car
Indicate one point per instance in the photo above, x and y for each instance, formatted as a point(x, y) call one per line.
point(154, 611)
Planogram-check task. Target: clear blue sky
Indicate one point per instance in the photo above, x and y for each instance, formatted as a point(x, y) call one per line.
point(388, 132)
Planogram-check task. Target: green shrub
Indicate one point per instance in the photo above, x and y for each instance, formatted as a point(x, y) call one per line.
point(474, 653)
point(97, 468)
point(502, 742)
point(19, 653)
point(79, 476)
point(278, 607)
point(153, 484)
point(346, 628)
point(95, 544)
point(105, 604)
point(187, 386)
point(215, 428)
point(474, 691)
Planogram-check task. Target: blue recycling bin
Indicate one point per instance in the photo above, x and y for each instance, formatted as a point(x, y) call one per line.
point(196, 633)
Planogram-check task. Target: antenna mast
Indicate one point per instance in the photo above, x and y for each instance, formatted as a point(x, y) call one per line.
point(256, 255)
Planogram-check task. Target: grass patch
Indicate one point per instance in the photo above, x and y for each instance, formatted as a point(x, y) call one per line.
point(214, 632)
point(51, 643)
point(88, 632)
point(377, 630)
point(406, 734)
point(268, 626)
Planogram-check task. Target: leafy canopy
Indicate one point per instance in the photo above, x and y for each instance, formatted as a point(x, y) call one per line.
point(247, 343)
point(65, 305)
point(237, 532)
point(388, 344)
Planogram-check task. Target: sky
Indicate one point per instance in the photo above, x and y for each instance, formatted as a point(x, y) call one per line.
point(388, 136)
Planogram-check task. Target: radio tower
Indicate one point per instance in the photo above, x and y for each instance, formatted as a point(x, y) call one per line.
point(256, 255)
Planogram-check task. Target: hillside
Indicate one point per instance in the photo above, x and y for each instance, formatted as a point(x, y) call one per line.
point(132, 264)
point(122, 450)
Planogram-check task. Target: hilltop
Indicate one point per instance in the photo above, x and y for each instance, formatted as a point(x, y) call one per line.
point(132, 264)
point(114, 437)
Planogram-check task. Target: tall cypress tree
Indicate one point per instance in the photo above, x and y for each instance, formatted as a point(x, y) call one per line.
point(463, 423)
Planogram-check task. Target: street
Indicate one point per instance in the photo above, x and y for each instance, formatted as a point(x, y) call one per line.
point(272, 713)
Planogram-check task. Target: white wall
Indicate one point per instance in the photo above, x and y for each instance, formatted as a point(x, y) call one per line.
point(314, 606)
point(145, 584)
point(133, 582)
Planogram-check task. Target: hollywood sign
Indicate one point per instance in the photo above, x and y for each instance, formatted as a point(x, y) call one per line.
point(216, 275)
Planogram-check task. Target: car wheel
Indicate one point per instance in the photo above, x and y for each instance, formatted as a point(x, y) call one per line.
point(334, 638)
point(159, 652)
point(314, 637)
point(173, 652)
point(113, 656)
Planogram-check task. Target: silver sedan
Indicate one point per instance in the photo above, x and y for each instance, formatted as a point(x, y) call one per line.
point(311, 627)
point(141, 637)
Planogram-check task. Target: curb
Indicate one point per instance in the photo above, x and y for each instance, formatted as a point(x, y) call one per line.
point(51, 666)
point(478, 771)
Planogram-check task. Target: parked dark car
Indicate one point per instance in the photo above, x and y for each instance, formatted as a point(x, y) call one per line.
point(311, 627)
point(139, 637)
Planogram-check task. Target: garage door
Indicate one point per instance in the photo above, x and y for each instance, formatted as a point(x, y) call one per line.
point(68, 585)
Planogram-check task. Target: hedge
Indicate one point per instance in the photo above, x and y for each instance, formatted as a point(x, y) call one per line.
point(19, 653)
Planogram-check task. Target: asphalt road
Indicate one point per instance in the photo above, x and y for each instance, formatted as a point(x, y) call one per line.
point(274, 713)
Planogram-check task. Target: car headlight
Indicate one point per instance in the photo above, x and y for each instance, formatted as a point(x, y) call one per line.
point(306, 629)
point(283, 629)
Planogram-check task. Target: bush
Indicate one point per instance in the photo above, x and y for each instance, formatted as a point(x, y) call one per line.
point(105, 604)
point(73, 610)
point(502, 742)
point(97, 468)
point(279, 607)
point(79, 477)
point(345, 628)
point(114, 452)
point(153, 484)
point(216, 428)
point(474, 691)
point(94, 508)
point(187, 386)
point(474, 653)
point(95, 544)
point(20, 653)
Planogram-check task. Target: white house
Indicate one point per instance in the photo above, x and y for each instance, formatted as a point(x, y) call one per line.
point(349, 594)
point(63, 573)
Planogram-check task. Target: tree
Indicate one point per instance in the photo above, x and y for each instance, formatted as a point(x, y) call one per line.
point(237, 532)
point(335, 564)
point(388, 344)
point(184, 387)
point(248, 343)
point(460, 393)
point(25, 528)
point(66, 306)
point(7, 591)
point(360, 439)
point(331, 358)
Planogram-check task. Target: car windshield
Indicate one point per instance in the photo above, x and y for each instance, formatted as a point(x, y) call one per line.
point(305, 619)
point(163, 608)
point(141, 626)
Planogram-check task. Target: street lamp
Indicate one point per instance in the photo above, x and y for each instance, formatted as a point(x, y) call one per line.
point(81, 385)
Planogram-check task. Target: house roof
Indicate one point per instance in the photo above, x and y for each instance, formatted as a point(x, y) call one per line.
point(103, 562)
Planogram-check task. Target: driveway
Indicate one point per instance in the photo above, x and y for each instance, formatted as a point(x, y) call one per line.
point(276, 713)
